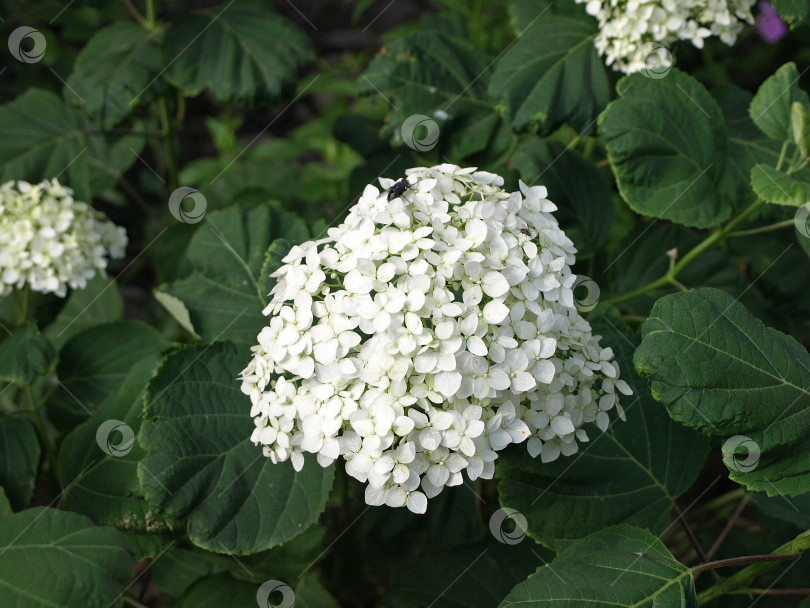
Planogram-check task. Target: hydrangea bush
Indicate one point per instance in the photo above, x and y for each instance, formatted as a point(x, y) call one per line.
point(49, 241)
point(427, 333)
point(629, 29)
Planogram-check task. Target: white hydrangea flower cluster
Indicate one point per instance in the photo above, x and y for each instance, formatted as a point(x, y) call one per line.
point(51, 242)
point(427, 333)
point(629, 29)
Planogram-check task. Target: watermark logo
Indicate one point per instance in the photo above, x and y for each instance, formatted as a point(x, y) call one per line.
point(656, 58)
point(741, 453)
point(275, 591)
point(503, 532)
point(591, 298)
point(187, 217)
point(800, 220)
point(32, 39)
point(105, 436)
point(420, 132)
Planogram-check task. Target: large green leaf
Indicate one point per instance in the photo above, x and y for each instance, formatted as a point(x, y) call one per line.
point(770, 108)
point(19, 460)
point(55, 558)
point(667, 144)
point(779, 188)
point(237, 51)
point(632, 473)
point(222, 590)
point(466, 577)
point(25, 355)
point(99, 459)
point(41, 137)
point(618, 566)
point(585, 203)
point(222, 297)
point(719, 370)
point(792, 10)
point(94, 363)
point(113, 68)
point(441, 80)
point(99, 302)
point(201, 464)
point(553, 75)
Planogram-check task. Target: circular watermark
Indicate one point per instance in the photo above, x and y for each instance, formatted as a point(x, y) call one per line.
point(656, 58)
point(591, 298)
point(35, 40)
point(176, 200)
point(501, 534)
point(104, 432)
point(741, 453)
point(420, 132)
point(800, 220)
point(277, 590)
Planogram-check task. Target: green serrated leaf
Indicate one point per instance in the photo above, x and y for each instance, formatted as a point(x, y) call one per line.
point(94, 363)
point(553, 75)
point(770, 107)
point(177, 309)
point(618, 566)
point(202, 466)
point(25, 355)
point(632, 473)
point(99, 302)
point(221, 296)
point(99, 459)
point(41, 137)
point(792, 11)
point(112, 70)
point(664, 169)
point(779, 188)
point(719, 370)
point(585, 203)
point(19, 460)
point(236, 51)
point(57, 558)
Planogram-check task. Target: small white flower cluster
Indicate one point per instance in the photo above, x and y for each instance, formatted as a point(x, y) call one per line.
point(427, 333)
point(49, 241)
point(628, 29)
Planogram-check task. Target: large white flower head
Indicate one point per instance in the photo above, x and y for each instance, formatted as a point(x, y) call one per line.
point(50, 241)
point(631, 31)
point(427, 333)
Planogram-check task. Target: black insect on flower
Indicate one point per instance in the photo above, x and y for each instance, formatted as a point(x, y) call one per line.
point(527, 232)
point(398, 189)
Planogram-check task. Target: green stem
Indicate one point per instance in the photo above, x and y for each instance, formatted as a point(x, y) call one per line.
point(47, 444)
point(151, 21)
point(170, 153)
point(675, 270)
point(768, 228)
point(761, 563)
point(782, 155)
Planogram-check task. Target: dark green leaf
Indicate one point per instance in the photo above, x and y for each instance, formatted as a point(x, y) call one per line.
point(19, 460)
point(99, 459)
point(770, 108)
point(112, 70)
point(632, 473)
point(553, 75)
point(42, 137)
point(236, 51)
point(57, 558)
point(201, 464)
point(5, 505)
point(667, 143)
point(719, 370)
point(618, 566)
point(222, 297)
point(25, 355)
point(795, 510)
point(99, 302)
point(94, 363)
point(792, 10)
point(469, 577)
point(779, 188)
point(585, 202)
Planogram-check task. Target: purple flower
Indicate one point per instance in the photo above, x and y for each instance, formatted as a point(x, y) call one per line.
point(769, 23)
